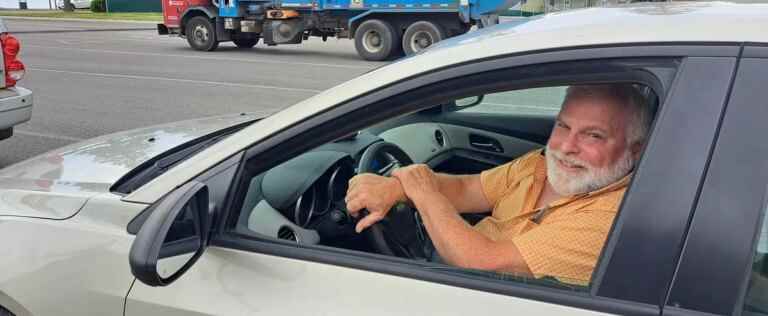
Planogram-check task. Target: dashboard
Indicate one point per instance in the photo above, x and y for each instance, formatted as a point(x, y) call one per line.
point(302, 200)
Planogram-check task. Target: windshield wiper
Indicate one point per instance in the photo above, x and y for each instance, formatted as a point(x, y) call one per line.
point(164, 164)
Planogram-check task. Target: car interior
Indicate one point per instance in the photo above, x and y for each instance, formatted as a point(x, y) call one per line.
point(302, 200)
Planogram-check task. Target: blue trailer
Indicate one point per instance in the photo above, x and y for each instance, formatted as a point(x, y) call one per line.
point(381, 29)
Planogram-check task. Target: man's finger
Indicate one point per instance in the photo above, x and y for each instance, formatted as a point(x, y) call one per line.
point(368, 221)
point(354, 207)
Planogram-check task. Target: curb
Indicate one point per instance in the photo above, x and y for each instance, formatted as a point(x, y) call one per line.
point(13, 17)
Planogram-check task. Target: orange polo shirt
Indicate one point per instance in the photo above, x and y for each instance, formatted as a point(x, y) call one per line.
point(566, 240)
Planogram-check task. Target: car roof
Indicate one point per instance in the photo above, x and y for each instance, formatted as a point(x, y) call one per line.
point(669, 22)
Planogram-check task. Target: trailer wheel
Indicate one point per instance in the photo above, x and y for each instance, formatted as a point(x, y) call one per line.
point(201, 35)
point(246, 42)
point(420, 35)
point(376, 40)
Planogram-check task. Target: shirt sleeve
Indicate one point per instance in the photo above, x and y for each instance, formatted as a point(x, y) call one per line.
point(566, 249)
point(497, 181)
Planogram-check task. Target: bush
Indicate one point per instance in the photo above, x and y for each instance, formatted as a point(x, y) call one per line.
point(98, 5)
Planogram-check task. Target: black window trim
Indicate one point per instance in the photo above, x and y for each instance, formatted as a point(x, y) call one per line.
point(290, 138)
point(744, 186)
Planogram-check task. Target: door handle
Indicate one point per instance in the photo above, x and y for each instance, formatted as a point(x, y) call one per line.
point(485, 143)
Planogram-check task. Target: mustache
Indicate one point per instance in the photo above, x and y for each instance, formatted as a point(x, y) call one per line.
point(569, 160)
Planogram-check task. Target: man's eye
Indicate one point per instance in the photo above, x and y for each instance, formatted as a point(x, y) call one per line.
point(595, 136)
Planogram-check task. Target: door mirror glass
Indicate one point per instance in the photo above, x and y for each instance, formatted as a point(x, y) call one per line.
point(181, 243)
point(173, 236)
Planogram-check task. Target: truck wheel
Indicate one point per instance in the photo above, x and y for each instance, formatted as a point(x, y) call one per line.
point(5, 133)
point(420, 35)
point(245, 42)
point(201, 35)
point(376, 40)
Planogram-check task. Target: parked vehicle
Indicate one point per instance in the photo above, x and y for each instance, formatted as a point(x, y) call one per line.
point(381, 28)
point(78, 4)
point(15, 101)
point(240, 216)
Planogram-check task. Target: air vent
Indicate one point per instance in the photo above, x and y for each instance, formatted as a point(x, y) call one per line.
point(439, 138)
point(287, 233)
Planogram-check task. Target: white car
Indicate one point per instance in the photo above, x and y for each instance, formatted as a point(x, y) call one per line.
point(239, 216)
point(15, 101)
point(78, 4)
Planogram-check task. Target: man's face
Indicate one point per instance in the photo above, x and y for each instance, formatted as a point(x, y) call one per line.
point(588, 147)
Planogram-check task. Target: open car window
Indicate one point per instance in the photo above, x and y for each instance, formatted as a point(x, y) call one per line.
point(302, 201)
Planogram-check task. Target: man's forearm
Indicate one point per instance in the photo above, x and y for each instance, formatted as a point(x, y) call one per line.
point(460, 245)
point(458, 190)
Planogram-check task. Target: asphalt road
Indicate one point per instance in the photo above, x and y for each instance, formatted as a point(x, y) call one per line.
point(95, 78)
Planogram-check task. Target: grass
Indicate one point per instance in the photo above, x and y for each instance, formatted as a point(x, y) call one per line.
point(84, 14)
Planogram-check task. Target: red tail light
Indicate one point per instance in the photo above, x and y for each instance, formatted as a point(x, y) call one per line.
point(14, 69)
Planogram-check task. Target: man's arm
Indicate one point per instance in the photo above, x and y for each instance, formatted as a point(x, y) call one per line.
point(455, 240)
point(465, 192)
point(378, 194)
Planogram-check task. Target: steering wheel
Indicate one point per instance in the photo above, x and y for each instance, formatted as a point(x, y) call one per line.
point(380, 234)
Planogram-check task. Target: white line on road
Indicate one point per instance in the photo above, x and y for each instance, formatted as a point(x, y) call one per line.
point(261, 61)
point(54, 136)
point(218, 83)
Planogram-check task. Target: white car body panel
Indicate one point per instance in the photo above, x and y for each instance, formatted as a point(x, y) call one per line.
point(61, 255)
point(15, 106)
point(243, 283)
point(56, 184)
point(677, 22)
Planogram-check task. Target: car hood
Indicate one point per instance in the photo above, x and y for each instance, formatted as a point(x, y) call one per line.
point(56, 184)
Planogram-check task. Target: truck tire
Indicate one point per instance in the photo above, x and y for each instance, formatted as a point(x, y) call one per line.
point(245, 42)
point(201, 35)
point(420, 35)
point(5, 133)
point(376, 40)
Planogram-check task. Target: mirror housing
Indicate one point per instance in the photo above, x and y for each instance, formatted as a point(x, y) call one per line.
point(176, 232)
point(464, 103)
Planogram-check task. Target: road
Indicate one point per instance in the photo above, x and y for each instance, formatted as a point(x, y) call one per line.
point(95, 78)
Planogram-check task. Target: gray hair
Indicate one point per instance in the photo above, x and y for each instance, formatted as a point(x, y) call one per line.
point(624, 95)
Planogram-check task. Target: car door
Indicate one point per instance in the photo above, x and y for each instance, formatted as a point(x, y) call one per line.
point(246, 275)
point(722, 267)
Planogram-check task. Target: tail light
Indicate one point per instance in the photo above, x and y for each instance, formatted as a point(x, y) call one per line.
point(14, 69)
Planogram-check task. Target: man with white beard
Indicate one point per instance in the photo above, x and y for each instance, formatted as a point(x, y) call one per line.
point(551, 209)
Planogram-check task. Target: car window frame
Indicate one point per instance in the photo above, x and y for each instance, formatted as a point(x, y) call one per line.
point(394, 266)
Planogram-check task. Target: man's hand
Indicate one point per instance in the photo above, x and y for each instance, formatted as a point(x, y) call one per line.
point(418, 181)
point(375, 193)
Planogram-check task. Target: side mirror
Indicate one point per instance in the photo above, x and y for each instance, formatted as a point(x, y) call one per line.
point(173, 237)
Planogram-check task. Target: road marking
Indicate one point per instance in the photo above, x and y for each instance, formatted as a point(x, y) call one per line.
point(218, 83)
point(54, 136)
point(260, 61)
point(77, 30)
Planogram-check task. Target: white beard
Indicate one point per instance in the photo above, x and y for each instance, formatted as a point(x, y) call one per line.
point(589, 178)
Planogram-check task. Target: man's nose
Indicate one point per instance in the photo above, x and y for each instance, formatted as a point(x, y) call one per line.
point(570, 144)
